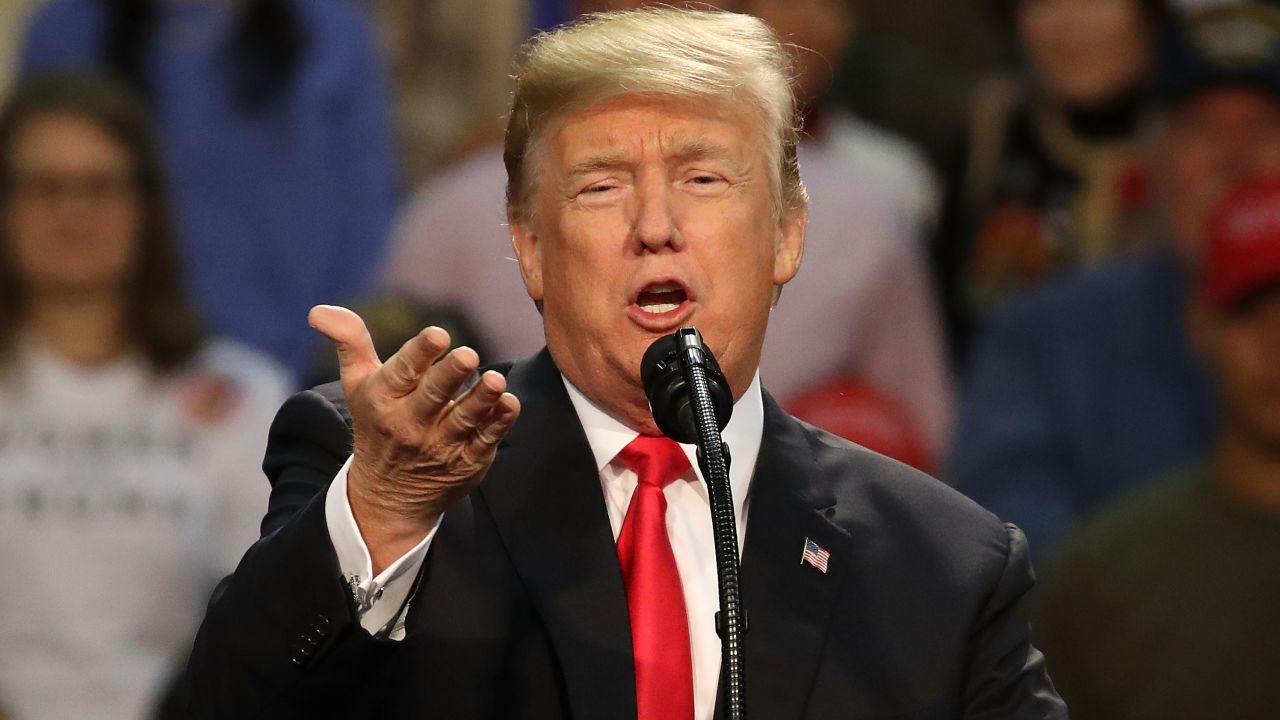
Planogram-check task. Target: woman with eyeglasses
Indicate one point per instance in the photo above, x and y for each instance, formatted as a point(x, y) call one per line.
point(273, 121)
point(129, 436)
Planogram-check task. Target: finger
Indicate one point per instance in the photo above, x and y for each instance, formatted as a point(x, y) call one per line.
point(501, 418)
point(442, 381)
point(356, 356)
point(401, 372)
point(474, 408)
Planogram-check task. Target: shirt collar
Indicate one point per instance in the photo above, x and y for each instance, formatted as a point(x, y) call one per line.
point(607, 436)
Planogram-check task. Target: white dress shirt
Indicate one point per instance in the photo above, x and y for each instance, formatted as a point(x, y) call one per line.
point(381, 599)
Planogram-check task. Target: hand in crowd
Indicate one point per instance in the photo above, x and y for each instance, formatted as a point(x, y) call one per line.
point(416, 449)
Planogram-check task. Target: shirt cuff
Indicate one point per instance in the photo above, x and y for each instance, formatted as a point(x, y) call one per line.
point(380, 601)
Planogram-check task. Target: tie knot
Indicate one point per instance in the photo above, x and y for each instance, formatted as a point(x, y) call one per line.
point(657, 459)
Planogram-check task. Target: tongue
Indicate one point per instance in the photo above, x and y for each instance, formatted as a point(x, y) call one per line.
point(663, 297)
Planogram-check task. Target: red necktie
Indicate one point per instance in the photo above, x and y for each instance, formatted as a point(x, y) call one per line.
point(655, 598)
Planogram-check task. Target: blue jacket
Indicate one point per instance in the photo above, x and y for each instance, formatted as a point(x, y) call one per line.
point(1079, 390)
point(278, 210)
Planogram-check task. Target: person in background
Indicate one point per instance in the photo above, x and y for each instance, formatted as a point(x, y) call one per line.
point(871, 197)
point(913, 66)
point(863, 309)
point(856, 411)
point(130, 438)
point(449, 64)
point(822, 31)
point(1050, 173)
point(1089, 385)
point(274, 125)
point(1164, 604)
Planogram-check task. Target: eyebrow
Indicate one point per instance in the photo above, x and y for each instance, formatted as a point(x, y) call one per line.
point(686, 150)
point(603, 161)
point(700, 149)
point(696, 148)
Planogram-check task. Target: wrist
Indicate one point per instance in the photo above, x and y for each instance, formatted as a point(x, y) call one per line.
point(389, 528)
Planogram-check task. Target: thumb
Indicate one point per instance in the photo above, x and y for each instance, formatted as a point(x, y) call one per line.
point(356, 356)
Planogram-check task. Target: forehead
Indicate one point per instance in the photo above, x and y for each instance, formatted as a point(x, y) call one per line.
point(630, 128)
point(64, 140)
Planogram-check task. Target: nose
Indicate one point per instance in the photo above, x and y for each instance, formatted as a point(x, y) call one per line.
point(655, 225)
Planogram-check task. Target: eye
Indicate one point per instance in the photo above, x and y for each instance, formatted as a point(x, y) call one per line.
point(705, 183)
point(599, 193)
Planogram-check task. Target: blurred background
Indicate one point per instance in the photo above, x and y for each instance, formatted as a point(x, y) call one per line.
point(1043, 264)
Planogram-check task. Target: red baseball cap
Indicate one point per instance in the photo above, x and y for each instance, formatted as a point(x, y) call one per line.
point(1242, 251)
point(856, 411)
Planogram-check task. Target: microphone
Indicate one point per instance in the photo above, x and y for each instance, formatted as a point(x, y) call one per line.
point(662, 371)
point(691, 403)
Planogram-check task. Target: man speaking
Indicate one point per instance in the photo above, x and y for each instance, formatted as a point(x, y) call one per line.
point(530, 546)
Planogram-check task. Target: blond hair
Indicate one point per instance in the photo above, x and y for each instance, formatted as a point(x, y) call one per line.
point(722, 57)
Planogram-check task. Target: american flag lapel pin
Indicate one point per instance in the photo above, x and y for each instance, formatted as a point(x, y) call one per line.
point(814, 555)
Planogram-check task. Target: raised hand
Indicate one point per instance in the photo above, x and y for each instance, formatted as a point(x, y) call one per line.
point(416, 449)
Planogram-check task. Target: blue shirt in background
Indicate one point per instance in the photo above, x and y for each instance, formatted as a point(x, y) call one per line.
point(280, 208)
point(1079, 390)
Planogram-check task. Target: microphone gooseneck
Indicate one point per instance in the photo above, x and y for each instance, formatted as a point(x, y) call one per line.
point(691, 403)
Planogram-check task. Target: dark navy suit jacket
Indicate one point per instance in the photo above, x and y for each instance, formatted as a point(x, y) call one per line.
point(521, 610)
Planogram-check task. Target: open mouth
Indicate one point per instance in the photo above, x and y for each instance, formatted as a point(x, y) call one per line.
point(661, 307)
point(661, 298)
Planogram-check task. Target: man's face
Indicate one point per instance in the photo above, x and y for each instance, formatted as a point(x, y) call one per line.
point(649, 215)
point(1214, 141)
point(1243, 348)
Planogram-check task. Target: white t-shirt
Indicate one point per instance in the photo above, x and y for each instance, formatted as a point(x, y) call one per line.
point(120, 508)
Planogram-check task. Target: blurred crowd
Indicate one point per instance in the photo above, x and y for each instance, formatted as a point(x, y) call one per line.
point(1042, 263)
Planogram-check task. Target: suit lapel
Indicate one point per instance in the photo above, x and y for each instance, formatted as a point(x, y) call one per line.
point(544, 494)
point(789, 603)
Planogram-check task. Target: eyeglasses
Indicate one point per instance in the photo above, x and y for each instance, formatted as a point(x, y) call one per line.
point(49, 188)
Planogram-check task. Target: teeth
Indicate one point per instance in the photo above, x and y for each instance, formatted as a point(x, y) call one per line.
point(659, 308)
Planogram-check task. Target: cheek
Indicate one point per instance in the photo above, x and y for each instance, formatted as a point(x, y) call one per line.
point(28, 230)
point(118, 238)
point(750, 254)
point(580, 274)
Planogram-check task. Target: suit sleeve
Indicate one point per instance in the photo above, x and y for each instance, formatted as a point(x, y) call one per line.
point(281, 637)
point(1007, 678)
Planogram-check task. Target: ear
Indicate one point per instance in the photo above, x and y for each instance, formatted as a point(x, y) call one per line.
point(524, 241)
point(789, 246)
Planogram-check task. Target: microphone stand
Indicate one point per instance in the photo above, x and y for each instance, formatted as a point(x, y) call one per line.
point(713, 459)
